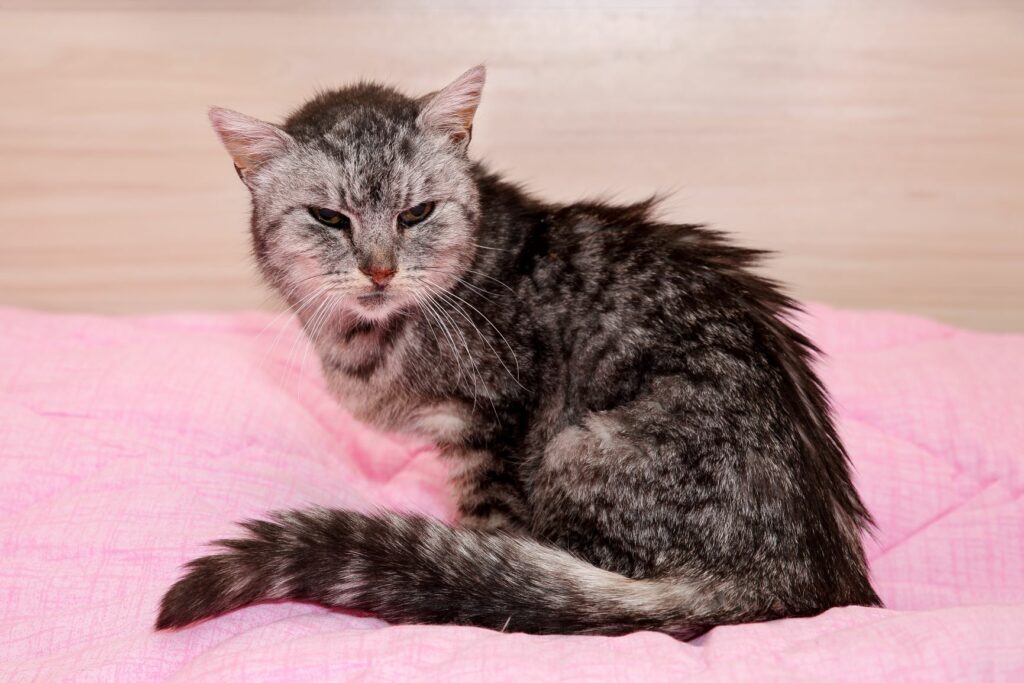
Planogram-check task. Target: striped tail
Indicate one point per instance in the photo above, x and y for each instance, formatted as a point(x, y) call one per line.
point(415, 570)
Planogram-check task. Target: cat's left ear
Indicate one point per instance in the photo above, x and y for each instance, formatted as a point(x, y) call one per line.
point(250, 142)
point(451, 109)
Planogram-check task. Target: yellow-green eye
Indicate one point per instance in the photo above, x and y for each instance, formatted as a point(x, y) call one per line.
point(416, 214)
point(330, 218)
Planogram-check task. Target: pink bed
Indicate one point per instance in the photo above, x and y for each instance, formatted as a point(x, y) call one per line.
point(126, 443)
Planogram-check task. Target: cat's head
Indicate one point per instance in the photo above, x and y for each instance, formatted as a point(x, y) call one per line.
point(364, 199)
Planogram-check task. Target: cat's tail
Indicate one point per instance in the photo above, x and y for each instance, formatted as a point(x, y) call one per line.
point(416, 570)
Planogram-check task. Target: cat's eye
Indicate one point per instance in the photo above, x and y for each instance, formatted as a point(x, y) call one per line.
point(416, 214)
point(330, 218)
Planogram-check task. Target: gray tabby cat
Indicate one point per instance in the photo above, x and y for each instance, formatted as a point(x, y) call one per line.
point(638, 439)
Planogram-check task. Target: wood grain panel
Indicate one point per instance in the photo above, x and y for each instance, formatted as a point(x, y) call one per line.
point(879, 147)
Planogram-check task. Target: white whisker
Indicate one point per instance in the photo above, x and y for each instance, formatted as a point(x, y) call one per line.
point(302, 304)
point(470, 270)
point(451, 298)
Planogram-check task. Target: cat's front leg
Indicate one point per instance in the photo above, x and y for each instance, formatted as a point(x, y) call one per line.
point(488, 497)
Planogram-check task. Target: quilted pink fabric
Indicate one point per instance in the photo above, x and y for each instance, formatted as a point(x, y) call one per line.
point(126, 443)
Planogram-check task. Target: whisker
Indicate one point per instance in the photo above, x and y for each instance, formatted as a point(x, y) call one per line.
point(302, 304)
point(419, 299)
point(449, 296)
point(489, 295)
point(317, 331)
point(486, 341)
point(451, 339)
point(485, 246)
point(477, 378)
point(470, 270)
point(307, 327)
point(425, 306)
point(480, 292)
point(291, 290)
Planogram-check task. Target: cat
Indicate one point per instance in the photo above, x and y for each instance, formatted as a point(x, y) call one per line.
point(637, 437)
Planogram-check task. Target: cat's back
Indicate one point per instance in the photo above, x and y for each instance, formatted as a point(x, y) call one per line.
point(618, 266)
point(610, 293)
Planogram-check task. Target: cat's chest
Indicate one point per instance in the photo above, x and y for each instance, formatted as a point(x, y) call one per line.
point(368, 375)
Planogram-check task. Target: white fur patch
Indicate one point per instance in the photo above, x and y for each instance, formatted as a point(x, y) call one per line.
point(638, 595)
point(444, 423)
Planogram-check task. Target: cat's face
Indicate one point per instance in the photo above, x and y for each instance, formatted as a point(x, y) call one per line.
point(364, 200)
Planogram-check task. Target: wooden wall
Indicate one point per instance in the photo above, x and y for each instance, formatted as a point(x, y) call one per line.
point(879, 147)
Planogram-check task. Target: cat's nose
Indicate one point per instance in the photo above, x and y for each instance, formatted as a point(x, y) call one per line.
point(379, 275)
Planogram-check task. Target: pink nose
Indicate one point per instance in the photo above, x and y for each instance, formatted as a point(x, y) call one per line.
point(379, 276)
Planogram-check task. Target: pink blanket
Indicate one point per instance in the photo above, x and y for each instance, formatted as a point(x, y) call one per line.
point(125, 444)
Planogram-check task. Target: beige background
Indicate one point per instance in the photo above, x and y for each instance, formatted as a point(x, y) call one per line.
point(879, 146)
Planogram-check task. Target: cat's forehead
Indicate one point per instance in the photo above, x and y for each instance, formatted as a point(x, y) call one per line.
point(376, 167)
point(364, 144)
point(371, 140)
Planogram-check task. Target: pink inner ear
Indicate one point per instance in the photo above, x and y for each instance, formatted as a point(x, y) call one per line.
point(250, 141)
point(452, 108)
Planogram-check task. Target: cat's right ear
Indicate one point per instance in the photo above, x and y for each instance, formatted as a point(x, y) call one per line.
point(249, 141)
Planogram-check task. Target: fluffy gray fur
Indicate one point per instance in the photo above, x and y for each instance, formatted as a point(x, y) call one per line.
point(637, 436)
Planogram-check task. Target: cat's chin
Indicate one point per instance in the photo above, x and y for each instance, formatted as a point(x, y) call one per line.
point(376, 307)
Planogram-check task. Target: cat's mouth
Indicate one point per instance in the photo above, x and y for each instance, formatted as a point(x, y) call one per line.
point(372, 299)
